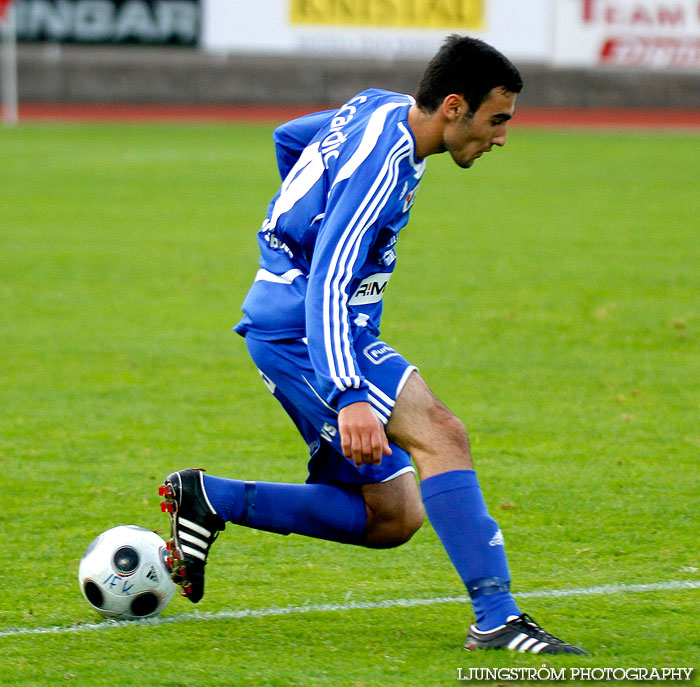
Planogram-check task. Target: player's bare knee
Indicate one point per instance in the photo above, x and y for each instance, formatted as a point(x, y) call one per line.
point(389, 534)
point(440, 442)
point(445, 430)
point(403, 533)
point(455, 433)
point(413, 521)
point(393, 521)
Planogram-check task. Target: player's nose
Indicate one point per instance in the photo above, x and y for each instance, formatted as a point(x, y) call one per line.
point(499, 140)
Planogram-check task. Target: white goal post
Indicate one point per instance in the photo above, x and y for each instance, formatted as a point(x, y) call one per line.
point(8, 63)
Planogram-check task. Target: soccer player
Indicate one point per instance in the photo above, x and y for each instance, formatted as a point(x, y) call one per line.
point(311, 324)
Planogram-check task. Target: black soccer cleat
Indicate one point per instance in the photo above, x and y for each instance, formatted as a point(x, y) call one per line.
point(521, 634)
point(193, 528)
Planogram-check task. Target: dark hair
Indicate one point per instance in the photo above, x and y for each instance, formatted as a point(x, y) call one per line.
point(469, 67)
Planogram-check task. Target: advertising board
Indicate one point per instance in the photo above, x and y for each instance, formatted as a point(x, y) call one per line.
point(109, 21)
point(374, 28)
point(643, 34)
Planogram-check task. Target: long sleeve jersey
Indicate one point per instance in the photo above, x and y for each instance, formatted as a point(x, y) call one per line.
point(328, 242)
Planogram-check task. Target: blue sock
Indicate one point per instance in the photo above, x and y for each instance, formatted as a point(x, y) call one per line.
point(457, 511)
point(322, 511)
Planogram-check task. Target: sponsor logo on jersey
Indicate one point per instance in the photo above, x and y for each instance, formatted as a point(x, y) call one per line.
point(371, 289)
point(332, 142)
point(410, 198)
point(389, 257)
point(274, 242)
point(378, 352)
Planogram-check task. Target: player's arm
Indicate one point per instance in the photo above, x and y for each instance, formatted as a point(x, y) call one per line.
point(348, 231)
point(292, 137)
point(329, 333)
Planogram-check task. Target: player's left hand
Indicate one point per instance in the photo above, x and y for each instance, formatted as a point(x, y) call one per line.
point(362, 434)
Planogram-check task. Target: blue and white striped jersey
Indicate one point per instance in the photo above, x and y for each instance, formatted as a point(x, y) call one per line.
point(328, 242)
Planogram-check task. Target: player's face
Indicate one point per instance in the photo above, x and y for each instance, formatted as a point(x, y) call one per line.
point(469, 135)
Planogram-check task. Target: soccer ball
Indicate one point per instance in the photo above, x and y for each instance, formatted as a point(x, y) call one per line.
point(123, 574)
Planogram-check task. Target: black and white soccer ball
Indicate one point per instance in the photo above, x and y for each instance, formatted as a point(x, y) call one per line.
point(123, 574)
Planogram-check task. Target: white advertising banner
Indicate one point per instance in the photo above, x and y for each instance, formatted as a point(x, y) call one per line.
point(643, 34)
point(375, 28)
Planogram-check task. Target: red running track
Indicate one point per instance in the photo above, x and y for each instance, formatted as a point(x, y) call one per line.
point(526, 117)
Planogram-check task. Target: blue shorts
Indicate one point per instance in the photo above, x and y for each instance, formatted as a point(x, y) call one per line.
point(286, 369)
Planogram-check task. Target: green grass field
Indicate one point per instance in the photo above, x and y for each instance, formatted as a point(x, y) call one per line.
point(550, 296)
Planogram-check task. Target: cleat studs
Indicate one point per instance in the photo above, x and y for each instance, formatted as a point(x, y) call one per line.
point(163, 506)
point(169, 545)
point(166, 490)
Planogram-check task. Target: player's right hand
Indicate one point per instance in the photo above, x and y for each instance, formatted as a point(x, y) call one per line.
point(362, 434)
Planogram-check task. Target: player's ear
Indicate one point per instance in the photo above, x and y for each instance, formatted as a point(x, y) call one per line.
point(454, 106)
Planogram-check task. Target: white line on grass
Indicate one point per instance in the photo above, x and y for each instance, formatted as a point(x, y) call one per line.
point(350, 606)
